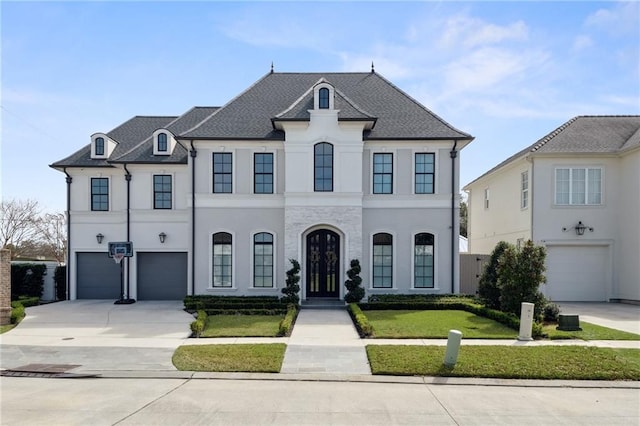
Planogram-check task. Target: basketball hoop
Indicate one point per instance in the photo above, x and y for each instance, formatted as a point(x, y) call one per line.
point(118, 257)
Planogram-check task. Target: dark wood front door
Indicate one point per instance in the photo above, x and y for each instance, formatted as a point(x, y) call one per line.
point(323, 264)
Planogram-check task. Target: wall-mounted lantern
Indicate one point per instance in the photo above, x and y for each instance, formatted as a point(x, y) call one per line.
point(162, 237)
point(99, 238)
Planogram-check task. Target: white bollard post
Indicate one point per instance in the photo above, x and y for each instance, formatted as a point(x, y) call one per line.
point(453, 346)
point(526, 321)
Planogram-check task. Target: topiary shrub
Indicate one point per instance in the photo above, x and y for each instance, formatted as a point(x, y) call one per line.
point(355, 292)
point(488, 287)
point(197, 326)
point(292, 287)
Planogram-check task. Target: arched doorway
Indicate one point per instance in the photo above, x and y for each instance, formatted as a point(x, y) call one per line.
point(323, 264)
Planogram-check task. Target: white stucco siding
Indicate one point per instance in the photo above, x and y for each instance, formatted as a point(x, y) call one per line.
point(404, 224)
point(504, 219)
point(627, 260)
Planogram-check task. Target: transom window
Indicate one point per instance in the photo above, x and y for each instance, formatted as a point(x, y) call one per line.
point(99, 194)
point(162, 142)
point(383, 173)
point(161, 191)
point(323, 98)
point(323, 167)
point(222, 259)
point(263, 260)
point(263, 173)
point(222, 172)
point(578, 186)
point(524, 190)
point(423, 261)
point(425, 168)
point(99, 148)
point(382, 260)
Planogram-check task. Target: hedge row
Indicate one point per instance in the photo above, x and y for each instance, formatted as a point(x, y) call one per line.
point(286, 325)
point(365, 329)
point(421, 298)
point(238, 304)
point(17, 312)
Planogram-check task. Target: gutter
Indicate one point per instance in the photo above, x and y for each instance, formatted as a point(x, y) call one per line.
point(453, 154)
point(68, 179)
point(127, 177)
point(193, 153)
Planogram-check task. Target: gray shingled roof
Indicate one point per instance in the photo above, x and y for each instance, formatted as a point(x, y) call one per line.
point(587, 134)
point(249, 115)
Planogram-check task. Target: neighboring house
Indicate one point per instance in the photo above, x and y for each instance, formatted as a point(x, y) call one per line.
point(577, 192)
point(318, 167)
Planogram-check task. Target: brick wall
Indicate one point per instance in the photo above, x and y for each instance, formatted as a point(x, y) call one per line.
point(5, 287)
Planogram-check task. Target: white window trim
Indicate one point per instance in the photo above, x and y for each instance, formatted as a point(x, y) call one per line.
point(275, 262)
point(173, 192)
point(394, 157)
point(523, 191)
point(110, 207)
point(436, 245)
point(234, 243)
point(316, 96)
point(171, 142)
point(586, 168)
point(436, 184)
point(222, 150)
point(253, 166)
point(394, 269)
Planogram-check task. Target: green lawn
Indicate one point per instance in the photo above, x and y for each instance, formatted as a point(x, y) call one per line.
point(435, 325)
point(242, 326)
point(541, 362)
point(5, 328)
point(589, 332)
point(260, 358)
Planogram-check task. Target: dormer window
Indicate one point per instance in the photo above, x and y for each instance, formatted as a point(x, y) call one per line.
point(99, 146)
point(162, 142)
point(323, 98)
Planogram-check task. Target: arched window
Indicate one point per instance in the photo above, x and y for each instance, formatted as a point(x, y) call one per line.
point(423, 261)
point(323, 167)
point(382, 260)
point(263, 260)
point(162, 142)
point(323, 98)
point(222, 259)
point(99, 148)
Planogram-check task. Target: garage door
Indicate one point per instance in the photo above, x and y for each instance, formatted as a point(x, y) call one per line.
point(162, 276)
point(578, 273)
point(98, 276)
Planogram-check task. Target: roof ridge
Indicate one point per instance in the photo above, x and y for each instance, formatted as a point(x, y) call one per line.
point(549, 136)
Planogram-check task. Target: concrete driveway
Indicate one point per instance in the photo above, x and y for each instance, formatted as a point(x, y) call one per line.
point(621, 316)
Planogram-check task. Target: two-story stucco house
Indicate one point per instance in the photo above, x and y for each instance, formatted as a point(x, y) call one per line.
point(318, 167)
point(577, 192)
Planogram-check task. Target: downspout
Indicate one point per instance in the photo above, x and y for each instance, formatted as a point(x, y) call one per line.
point(453, 154)
point(193, 154)
point(68, 179)
point(127, 177)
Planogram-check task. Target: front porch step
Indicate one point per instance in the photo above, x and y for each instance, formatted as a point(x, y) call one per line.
point(321, 303)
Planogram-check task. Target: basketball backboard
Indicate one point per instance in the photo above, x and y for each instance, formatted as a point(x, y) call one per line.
point(121, 247)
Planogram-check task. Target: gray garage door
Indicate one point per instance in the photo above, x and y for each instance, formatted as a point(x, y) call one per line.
point(162, 276)
point(98, 276)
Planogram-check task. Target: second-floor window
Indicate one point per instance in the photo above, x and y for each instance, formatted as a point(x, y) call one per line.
point(162, 142)
point(323, 167)
point(263, 173)
point(486, 198)
point(578, 186)
point(524, 190)
point(100, 194)
point(99, 146)
point(222, 172)
point(383, 173)
point(425, 172)
point(162, 191)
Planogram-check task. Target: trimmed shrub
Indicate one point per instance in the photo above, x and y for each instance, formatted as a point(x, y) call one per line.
point(27, 280)
point(292, 287)
point(197, 326)
point(551, 312)
point(488, 286)
point(29, 301)
point(355, 292)
point(60, 278)
point(231, 304)
point(360, 320)
point(17, 312)
point(286, 325)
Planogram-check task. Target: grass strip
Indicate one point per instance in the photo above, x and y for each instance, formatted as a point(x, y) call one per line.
point(508, 362)
point(425, 324)
point(259, 358)
point(242, 326)
point(589, 332)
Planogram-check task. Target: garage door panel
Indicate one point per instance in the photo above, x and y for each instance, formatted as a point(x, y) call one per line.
point(162, 275)
point(577, 273)
point(98, 276)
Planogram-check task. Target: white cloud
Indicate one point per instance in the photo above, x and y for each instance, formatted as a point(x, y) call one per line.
point(582, 42)
point(462, 30)
point(623, 18)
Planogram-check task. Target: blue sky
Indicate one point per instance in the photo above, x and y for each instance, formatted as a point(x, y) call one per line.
point(506, 72)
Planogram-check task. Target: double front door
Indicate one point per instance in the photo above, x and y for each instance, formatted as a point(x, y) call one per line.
point(323, 264)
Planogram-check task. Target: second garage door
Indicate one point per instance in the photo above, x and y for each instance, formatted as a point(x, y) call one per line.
point(98, 276)
point(578, 273)
point(162, 276)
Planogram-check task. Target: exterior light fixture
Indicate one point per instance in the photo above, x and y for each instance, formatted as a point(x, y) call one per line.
point(579, 228)
point(162, 237)
point(99, 237)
